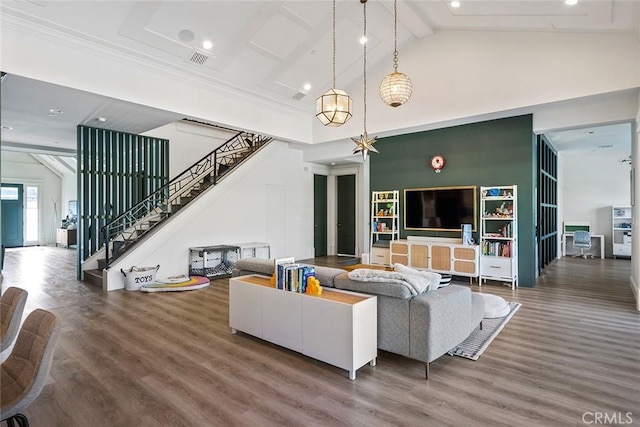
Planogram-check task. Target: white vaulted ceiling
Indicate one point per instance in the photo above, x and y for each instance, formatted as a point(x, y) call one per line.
point(262, 50)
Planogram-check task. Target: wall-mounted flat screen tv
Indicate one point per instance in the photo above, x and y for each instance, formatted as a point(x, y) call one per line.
point(441, 208)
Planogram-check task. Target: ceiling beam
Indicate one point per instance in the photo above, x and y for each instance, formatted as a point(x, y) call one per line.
point(37, 149)
point(44, 161)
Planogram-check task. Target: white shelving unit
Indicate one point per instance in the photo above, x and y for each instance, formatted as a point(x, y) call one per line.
point(499, 234)
point(621, 220)
point(384, 225)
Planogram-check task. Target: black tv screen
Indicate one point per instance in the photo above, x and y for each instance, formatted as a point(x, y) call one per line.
point(442, 208)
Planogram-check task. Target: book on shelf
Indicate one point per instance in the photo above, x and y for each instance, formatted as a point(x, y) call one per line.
point(501, 249)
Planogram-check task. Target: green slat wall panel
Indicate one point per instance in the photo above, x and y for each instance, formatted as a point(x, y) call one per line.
point(116, 170)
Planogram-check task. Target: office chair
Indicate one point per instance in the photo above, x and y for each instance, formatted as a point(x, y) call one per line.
point(12, 305)
point(24, 373)
point(582, 241)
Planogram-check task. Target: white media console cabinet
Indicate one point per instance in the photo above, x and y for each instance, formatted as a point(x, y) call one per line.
point(337, 327)
point(440, 255)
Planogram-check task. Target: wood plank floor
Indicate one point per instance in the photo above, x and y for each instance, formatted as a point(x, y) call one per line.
point(169, 359)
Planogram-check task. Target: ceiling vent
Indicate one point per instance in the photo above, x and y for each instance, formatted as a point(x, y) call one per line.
point(298, 96)
point(198, 57)
point(3, 76)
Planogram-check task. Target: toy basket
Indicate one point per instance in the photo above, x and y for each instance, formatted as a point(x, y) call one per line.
point(138, 276)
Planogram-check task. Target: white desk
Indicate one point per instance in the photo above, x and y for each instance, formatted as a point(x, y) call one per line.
point(593, 236)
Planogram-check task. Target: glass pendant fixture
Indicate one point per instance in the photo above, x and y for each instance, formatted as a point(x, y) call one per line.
point(364, 144)
point(396, 88)
point(333, 108)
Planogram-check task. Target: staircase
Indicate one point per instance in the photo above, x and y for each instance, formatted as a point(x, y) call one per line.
point(126, 230)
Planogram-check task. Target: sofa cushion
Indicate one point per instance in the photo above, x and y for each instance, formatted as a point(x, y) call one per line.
point(257, 265)
point(388, 288)
point(326, 275)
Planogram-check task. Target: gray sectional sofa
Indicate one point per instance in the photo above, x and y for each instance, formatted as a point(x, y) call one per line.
point(422, 327)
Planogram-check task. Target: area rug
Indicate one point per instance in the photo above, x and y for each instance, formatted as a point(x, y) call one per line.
point(479, 340)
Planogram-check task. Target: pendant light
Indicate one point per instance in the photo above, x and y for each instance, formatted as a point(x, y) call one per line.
point(396, 88)
point(364, 144)
point(333, 108)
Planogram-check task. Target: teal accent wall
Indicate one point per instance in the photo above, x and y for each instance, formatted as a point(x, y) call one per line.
point(496, 152)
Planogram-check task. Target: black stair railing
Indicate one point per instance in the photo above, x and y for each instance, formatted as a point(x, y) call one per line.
point(126, 229)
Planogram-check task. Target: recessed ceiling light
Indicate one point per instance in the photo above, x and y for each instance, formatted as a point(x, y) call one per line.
point(56, 142)
point(307, 86)
point(101, 119)
point(589, 132)
point(207, 44)
point(6, 127)
point(333, 163)
point(363, 40)
point(455, 4)
point(570, 2)
point(56, 111)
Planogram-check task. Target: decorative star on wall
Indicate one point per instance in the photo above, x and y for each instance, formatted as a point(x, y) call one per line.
point(364, 145)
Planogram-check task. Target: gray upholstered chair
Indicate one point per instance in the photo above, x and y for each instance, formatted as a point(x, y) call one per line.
point(12, 305)
point(582, 241)
point(25, 372)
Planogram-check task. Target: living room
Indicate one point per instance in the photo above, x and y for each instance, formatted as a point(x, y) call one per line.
point(133, 359)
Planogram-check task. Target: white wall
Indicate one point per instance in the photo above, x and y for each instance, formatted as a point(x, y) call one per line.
point(591, 182)
point(188, 143)
point(69, 191)
point(22, 168)
point(468, 76)
point(269, 199)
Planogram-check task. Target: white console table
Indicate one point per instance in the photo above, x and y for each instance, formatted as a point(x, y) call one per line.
point(337, 327)
point(593, 236)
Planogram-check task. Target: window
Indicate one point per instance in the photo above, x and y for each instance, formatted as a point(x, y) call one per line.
point(31, 216)
point(9, 193)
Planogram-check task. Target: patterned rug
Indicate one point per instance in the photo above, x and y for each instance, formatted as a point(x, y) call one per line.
point(479, 340)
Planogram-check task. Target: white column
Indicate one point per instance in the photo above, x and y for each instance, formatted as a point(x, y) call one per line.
point(635, 188)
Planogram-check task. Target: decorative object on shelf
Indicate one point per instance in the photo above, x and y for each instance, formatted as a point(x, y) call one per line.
point(437, 163)
point(313, 286)
point(333, 108)
point(364, 144)
point(396, 88)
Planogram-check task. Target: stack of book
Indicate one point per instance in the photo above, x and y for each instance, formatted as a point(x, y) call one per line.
point(291, 276)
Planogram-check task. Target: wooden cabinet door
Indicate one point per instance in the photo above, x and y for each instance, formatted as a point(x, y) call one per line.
point(419, 255)
point(400, 253)
point(441, 258)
